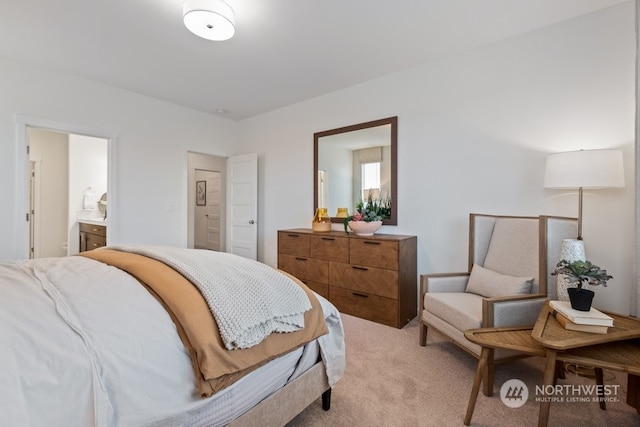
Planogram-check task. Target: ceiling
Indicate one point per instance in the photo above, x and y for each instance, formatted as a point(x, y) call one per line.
point(284, 51)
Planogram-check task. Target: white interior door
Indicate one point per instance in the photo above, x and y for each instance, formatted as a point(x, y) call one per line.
point(242, 205)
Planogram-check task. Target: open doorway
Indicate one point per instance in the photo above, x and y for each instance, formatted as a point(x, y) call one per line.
point(208, 210)
point(76, 166)
point(68, 176)
point(206, 202)
point(235, 203)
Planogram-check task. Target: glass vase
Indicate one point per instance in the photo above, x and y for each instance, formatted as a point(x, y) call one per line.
point(321, 221)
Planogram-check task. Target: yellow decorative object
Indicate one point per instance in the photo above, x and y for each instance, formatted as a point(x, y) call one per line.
point(342, 213)
point(321, 221)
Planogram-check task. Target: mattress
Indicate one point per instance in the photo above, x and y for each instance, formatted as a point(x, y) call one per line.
point(86, 344)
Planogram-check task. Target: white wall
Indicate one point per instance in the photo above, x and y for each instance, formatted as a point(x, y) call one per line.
point(150, 152)
point(474, 131)
point(87, 168)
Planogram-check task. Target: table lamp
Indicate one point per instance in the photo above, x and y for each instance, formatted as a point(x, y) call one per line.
point(590, 169)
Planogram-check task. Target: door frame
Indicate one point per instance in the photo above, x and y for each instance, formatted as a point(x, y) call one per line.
point(34, 205)
point(22, 122)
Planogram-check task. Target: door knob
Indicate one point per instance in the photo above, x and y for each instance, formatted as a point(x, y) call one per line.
point(251, 221)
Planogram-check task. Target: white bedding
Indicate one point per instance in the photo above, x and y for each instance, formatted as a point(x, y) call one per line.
point(248, 299)
point(85, 344)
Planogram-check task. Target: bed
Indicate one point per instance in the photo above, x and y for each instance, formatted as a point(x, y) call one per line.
point(89, 340)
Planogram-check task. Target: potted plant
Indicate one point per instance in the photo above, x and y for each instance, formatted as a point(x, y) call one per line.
point(368, 216)
point(580, 273)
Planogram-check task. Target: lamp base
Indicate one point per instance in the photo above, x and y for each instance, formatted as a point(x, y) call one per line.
point(571, 250)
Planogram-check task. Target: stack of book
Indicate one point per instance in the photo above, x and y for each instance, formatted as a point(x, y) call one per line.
point(593, 321)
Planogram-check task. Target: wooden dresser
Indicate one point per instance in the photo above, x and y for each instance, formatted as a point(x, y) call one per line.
point(370, 277)
point(92, 236)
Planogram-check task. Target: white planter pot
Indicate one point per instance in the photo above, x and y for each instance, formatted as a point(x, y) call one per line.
point(363, 228)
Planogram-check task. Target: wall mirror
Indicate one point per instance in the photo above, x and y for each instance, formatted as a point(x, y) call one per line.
point(353, 161)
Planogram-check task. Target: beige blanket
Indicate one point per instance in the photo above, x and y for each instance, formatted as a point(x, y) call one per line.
point(214, 366)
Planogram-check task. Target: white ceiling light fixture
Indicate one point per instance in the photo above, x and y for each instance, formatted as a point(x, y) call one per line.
point(209, 19)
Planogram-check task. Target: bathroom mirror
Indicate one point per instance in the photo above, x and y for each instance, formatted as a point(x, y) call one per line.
point(353, 161)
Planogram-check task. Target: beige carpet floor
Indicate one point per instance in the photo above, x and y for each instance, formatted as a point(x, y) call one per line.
point(391, 381)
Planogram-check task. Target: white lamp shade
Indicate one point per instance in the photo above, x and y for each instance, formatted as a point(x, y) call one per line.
point(209, 19)
point(585, 169)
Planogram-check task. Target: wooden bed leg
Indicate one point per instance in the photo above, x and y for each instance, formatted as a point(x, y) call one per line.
point(326, 400)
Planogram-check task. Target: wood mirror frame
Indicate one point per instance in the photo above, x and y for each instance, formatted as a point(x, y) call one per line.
point(393, 143)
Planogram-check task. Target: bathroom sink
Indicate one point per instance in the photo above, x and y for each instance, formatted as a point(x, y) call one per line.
point(92, 220)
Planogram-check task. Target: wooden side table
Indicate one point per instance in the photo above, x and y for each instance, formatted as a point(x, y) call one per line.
point(616, 350)
point(597, 350)
point(633, 391)
point(518, 339)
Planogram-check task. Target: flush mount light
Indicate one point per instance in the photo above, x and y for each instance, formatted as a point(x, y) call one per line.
point(209, 19)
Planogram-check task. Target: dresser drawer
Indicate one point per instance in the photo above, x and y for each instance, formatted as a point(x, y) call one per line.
point(373, 277)
point(375, 253)
point(100, 230)
point(330, 248)
point(315, 270)
point(93, 241)
point(360, 304)
point(375, 281)
point(293, 243)
point(320, 288)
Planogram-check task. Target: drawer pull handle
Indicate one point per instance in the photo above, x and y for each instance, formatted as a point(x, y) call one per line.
point(328, 238)
point(94, 229)
point(293, 235)
point(367, 242)
point(360, 295)
point(301, 259)
point(355, 267)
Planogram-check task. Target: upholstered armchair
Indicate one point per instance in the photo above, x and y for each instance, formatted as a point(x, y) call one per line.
point(508, 280)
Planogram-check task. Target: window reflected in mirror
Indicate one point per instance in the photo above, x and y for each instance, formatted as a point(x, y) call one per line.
point(354, 162)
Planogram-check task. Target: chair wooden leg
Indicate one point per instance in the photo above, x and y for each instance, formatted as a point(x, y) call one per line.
point(489, 374)
point(423, 334)
point(600, 383)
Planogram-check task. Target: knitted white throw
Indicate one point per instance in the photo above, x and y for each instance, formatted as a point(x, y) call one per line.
point(248, 299)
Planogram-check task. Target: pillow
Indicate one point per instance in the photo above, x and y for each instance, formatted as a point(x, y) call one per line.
point(513, 248)
point(488, 283)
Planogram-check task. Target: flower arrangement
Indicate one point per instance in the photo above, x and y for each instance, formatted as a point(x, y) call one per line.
point(371, 210)
point(582, 272)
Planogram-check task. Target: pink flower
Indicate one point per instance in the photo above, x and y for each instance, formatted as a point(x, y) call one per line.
point(357, 216)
